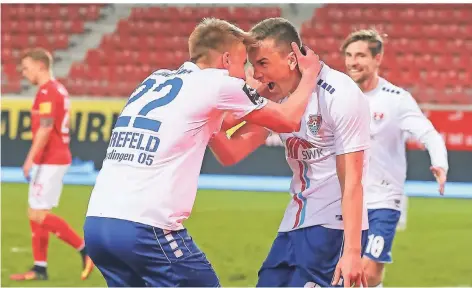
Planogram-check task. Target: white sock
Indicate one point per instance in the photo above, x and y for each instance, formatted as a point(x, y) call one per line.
point(380, 285)
point(41, 263)
point(81, 247)
point(403, 216)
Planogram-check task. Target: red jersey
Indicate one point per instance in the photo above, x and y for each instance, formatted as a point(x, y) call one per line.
point(52, 101)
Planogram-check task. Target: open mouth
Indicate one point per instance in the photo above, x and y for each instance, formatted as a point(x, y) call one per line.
point(271, 86)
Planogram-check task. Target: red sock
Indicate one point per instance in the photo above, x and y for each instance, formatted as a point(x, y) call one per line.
point(63, 231)
point(39, 241)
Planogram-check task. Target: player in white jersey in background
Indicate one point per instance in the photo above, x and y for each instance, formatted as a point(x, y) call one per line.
point(148, 183)
point(394, 114)
point(325, 225)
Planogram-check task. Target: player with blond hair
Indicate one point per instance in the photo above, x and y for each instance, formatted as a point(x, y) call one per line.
point(148, 183)
point(394, 114)
point(46, 164)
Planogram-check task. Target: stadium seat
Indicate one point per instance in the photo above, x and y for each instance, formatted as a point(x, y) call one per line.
point(48, 26)
point(11, 87)
point(157, 35)
point(427, 45)
point(430, 42)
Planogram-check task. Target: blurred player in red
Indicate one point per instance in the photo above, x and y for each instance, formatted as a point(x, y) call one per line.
point(47, 162)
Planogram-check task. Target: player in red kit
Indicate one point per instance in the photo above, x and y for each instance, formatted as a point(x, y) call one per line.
point(46, 164)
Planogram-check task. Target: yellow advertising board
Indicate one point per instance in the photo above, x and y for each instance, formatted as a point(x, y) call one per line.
point(90, 119)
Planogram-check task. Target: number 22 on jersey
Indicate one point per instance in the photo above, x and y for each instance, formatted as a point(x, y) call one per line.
point(141, 121)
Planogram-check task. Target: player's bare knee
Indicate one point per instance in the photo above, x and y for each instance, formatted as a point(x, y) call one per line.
point(37, 215)
point(373, 271)
point(32, 214)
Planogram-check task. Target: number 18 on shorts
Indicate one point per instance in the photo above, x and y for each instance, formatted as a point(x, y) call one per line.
point(382, 228)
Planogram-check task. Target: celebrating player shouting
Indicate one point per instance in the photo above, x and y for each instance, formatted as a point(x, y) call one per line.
point(147, 186)
point(324, 227)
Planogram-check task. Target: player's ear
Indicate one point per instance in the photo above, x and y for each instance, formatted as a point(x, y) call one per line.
point(379, 58)
point(226, 60)
point(292, 61)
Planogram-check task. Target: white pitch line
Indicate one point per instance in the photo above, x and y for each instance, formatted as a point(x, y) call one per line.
point(19, 250)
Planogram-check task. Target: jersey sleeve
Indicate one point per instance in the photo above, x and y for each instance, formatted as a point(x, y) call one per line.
point(351, 120)
point(47, 103)
point(238, 97)
point(412, 120)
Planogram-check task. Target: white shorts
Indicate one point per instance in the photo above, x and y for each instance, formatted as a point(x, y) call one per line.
point(46, 185)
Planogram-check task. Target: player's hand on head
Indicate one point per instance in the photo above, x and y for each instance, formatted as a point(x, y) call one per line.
point(351, 270)
point(440, 176)
point(308, 63)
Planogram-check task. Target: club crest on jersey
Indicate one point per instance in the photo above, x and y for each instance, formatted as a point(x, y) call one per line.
point(314, 123)
point(378, 116)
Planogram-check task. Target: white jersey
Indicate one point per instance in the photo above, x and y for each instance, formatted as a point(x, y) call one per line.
point(150, 172)
point(395, 116)
point(336, 121)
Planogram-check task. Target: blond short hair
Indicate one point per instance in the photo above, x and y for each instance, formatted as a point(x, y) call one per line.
point(215, 35)
point(39, 54)
point(371, 36)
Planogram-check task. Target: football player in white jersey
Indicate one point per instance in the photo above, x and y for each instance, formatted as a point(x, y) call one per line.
point(325, 225)
point(148, 183)
point(394, 114)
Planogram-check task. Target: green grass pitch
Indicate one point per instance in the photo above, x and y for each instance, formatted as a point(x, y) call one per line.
point(236, 229)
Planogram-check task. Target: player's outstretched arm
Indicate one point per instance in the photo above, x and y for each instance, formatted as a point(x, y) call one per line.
point(230, 150)
point(286, 117)
point(413, 120)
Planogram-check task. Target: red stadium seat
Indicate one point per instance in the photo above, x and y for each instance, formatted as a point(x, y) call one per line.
point(47, 26)
point(462, 61)
point(61, 41)
point(77, 27)
point(11, 87)
point(95, 57)
point(429, 39)
point(6, 55)
point(20, 41)
point(7, 41)
point(157, 36)
point(387, 15)
point(92, 13)
point(434, 39)
point(221, 12)
point(77, 71)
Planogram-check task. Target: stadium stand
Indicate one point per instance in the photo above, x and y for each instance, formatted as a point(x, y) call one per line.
point(427, 51)
point(30, 25)
point(150, 37)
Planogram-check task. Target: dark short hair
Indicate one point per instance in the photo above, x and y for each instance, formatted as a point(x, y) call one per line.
point(279, 29)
